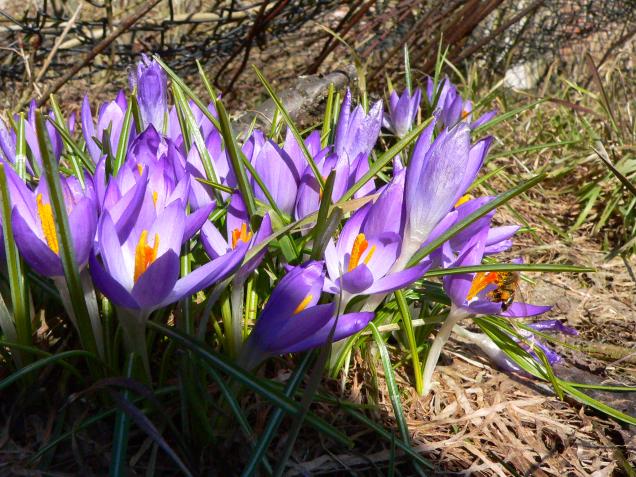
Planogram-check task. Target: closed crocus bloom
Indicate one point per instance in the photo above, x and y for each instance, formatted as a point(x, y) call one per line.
point(356, 131)
point(111, 115)
point(34, 223)
point(363, 259)
point(152, 92)
point(436, 178)
point(202, 194)
point(402, 112)
point(293, 321)
point(32, 139)
point(279, 175)
point(7, 142)
point(452, 108)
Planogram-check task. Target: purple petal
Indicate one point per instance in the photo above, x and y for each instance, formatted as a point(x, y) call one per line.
point(154, 285)
point(398, 280)
point(357, 280)
point(34, 250)
point(109, 286)
point(519, 310)
point(553, 325)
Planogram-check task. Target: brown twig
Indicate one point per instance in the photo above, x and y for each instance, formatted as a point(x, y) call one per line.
point(97, 49)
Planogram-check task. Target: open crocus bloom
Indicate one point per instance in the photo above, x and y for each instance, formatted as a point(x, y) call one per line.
point(34, 223)
point(238, 232)
point(292, 321)
point(402, 112)
point(485, 293)
point(368, 247)
point(141, 272)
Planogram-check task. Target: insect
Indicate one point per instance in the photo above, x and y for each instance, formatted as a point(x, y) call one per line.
point(506, 285)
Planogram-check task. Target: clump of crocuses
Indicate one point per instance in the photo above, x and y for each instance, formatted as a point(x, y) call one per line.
point(171, 220)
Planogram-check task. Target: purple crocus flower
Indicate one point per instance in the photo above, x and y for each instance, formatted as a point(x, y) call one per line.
point(356, 131)
point(34, 224)
point(437, 176)
point(362, 261)
point(402, 112)
point(111, 115)
point(152, 92)
point(31, 136)
point(293, 321)
point(237, 232)
point(7, 142)
point(452, 107)
point(277, 170)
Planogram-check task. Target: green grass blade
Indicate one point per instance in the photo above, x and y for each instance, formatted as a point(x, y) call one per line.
point(246, 379)
point(505, 116)
point(292, 127)
point(122, 146)
point(15, 269)
point(66, 252)
point(235, 153)
point(385, 158)
point(410, 338)
point(394, 392)
point(120, 434)
point(511, 267)
point(493, 204)
point(274, 421)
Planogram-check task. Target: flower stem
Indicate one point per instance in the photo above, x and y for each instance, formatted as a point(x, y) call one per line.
point(454, 317)
point(133, 325)
point(236, 301)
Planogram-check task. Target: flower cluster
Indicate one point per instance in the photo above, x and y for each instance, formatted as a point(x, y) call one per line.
point(149, 205)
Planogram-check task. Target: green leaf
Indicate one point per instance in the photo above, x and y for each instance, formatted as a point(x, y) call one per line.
point(15, 269)
point(243, 377)
point(511, 267)
point(66, 251)
point(122, 425)
point(410, 337)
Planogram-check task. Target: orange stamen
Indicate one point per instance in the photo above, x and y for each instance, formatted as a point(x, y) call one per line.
point(145, 254)
point(360, 244)
point(243, 235)
point(303, 304)
point(465, 114)
point(480, 282)
point(48, 225)
point(140, 168)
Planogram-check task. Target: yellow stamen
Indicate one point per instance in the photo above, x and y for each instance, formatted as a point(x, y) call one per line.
point(240, 234)
point(48, 225)
point(480, 282)
point(360, 244)
point(140, 168)
point(303, 304)
point(463, 199)
point(145, 254)
point(369, 255)
point(154, 198)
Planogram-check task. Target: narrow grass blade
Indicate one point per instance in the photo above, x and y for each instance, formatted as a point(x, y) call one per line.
point(505, 116)
point(292, 127)
point(602, 154)
point(493, 204)
point(394, 392)
point(15, 269)
point(277, 416)
point(410, 338)
point(122, 146)
point(511, 267)
point(234, 153)
point(41, 363)
point(66, 252)
point(243, 377)
point(122, 425)
point(195, 133)
point(385, 158)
